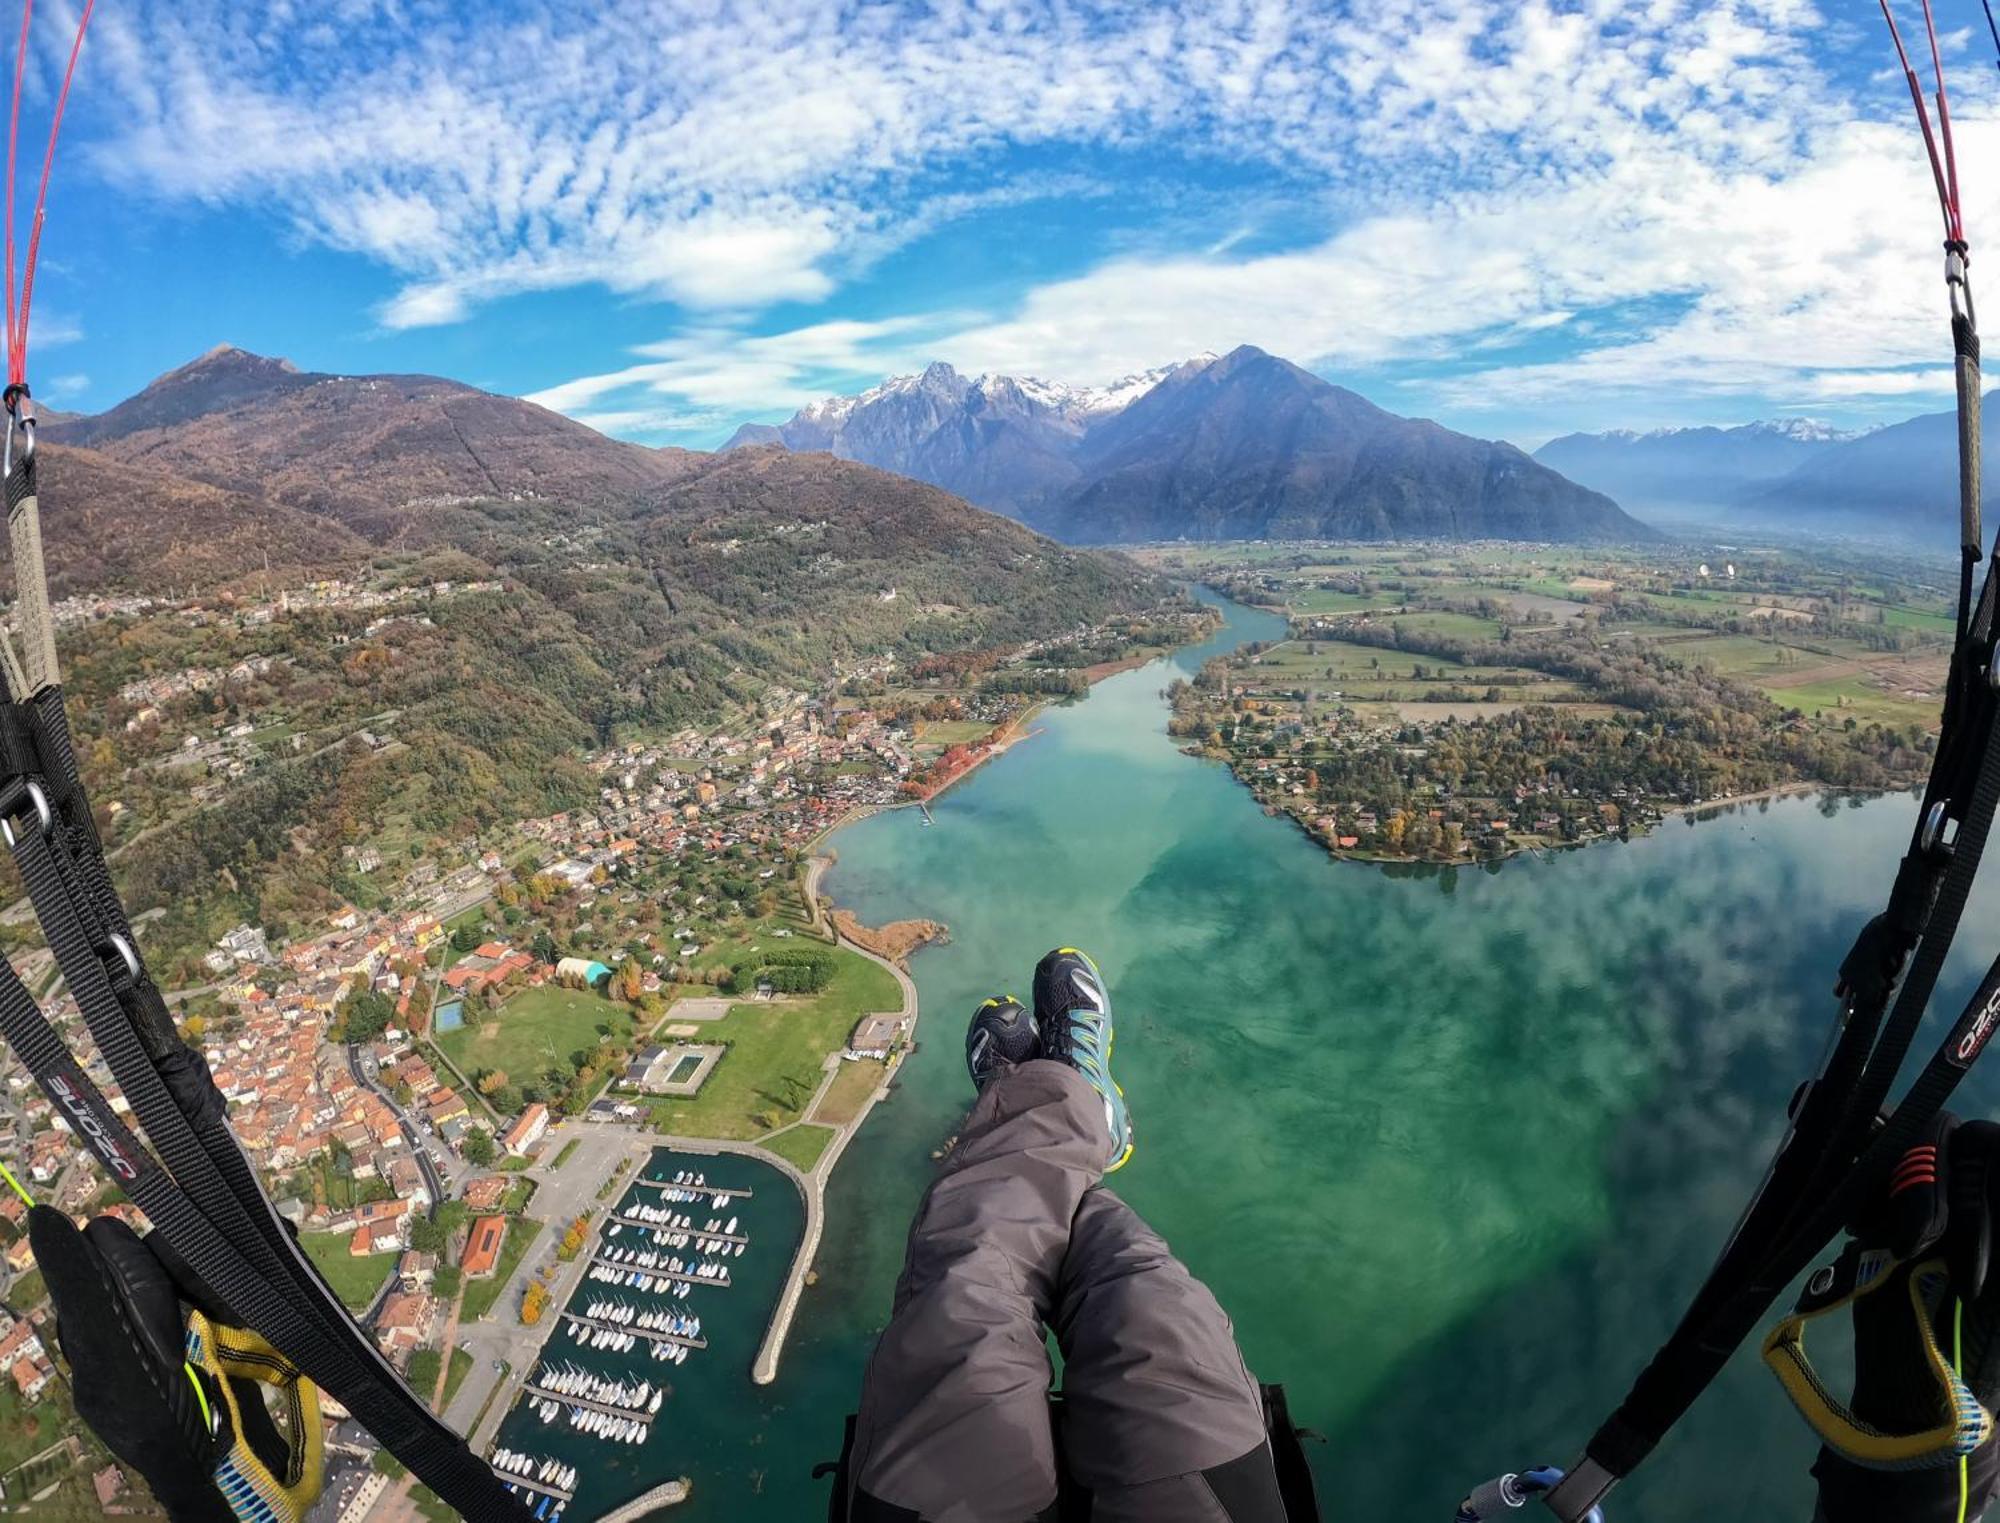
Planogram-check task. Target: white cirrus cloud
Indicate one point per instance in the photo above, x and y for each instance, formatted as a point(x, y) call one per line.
point(1536, 200)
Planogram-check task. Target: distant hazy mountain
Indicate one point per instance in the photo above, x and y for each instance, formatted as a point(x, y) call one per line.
point(1239, 447)
point(1694, 470)
point(1901, 479)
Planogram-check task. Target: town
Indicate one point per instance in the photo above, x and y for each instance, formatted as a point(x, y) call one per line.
point(413, 1065)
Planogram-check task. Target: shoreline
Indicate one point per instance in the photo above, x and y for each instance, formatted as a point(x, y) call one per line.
point(820, 915)
point(1540, 848)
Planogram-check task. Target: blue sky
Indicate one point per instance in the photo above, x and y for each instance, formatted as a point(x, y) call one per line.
point(668, 218)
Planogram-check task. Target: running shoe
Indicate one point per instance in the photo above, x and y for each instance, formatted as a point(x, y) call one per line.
point(1001, 1035)
point(1073, 1015)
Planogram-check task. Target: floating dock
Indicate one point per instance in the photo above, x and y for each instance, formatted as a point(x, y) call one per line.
point(538, 1487)
point(637, 1414)
point(640, 1332)
point(707, 1237)
point(659, 1274)
point(707, 1192)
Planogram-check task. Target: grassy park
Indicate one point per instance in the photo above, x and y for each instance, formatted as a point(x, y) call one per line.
point(537, 1029)
point(849, 1091)
point(354, 1280)
point(801, 1145)
point(776, 1050)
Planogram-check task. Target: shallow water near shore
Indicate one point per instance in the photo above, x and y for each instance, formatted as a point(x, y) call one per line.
point(1451, 1147)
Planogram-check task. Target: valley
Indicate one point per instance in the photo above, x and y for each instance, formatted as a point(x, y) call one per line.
point(1453, 703)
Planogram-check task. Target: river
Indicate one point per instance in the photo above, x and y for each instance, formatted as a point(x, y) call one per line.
point(1452, 1148)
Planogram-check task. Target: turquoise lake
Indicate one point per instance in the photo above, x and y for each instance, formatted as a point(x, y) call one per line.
point(1451, 1147)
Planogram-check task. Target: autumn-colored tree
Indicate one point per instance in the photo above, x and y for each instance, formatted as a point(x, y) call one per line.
point(494, 1079)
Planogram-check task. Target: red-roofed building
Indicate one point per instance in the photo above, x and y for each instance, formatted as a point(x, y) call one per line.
point(482, 1246)
point(31, 1378)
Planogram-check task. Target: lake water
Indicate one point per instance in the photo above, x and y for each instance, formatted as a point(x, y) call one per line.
point(1452, 1148)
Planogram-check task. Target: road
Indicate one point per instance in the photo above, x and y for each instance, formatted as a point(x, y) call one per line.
point(361, 1064)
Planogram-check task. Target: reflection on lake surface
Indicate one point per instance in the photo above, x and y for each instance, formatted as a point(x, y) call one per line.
point(1453, 1148)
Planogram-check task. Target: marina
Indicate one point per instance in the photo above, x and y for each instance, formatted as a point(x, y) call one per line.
point(632, 1386)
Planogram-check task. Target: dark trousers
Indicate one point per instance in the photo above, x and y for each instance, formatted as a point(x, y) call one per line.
point(1017, 1237)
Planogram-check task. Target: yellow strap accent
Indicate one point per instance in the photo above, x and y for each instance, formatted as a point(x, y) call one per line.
point(200, 1396)
point(8, 1174)
point(1958, 1369)
point(234, 1353)
point(1964, 1422)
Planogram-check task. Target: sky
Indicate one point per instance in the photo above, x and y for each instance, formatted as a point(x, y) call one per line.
point(666, 219)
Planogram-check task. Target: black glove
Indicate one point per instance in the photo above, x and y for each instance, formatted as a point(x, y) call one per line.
point(163, 1377)
point(1917, 1444)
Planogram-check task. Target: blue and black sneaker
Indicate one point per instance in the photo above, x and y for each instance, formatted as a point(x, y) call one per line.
point(1073, 1013)
point(1001, 1035)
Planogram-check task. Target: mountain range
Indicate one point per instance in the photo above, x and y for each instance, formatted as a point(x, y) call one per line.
point(1689, 470)
point(1898, 482)
point(1239, 446)
point(639, 589)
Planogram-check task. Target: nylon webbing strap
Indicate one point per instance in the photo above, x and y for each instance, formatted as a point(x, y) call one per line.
point(207, 1202)
point(31, 578)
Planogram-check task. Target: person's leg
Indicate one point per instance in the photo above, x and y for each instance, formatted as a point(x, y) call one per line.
point(954, 1424)
point(1162, 1420)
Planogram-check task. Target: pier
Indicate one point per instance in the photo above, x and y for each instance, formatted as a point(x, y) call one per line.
point(700, 1192)
point(637, 1414)
point(637, 1332)
point(564, 1497)
point(722, 1283)
point(694, 1232)
point(666, 1494)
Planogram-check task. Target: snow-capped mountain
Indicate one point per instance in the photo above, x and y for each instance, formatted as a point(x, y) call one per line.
point(1691, 470)
point(1005, 442)
point(1238, 446)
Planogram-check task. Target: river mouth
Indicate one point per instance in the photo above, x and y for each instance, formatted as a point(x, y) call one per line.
point(1452, 1148)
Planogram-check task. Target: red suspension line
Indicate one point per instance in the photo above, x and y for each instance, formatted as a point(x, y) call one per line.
point(17, 313)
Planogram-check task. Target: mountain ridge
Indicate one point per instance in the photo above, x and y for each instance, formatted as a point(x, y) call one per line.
point(1186, 451)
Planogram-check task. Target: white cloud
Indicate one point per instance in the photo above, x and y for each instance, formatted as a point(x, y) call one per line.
point(1674, 196)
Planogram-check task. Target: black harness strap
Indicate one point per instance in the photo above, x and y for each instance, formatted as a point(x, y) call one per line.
point(213, 1196)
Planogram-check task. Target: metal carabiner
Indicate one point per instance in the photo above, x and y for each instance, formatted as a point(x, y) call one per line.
point(1511, 1492)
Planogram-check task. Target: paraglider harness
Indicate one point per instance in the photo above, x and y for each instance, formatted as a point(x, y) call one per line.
point(1840, 1151)
point(1072, 1503)
point(191, 1177)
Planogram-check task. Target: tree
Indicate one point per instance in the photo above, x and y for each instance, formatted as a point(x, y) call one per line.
point(493, 1080)
point(478, 1146)
point(367, 1015)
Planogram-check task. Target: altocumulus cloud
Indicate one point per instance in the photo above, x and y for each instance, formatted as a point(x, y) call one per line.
point(1541, 201)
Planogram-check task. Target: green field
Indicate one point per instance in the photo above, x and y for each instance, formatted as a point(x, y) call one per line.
point(951, 732)
point(354, 1280)
point(800, 1146)
point(536, 1029)
point(1746, 656)
point(481, 1294)
point(1858, 698)
point(1321, 600)
point(775, 1051)
point(1925, 619)
point(850, 1090)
